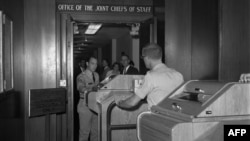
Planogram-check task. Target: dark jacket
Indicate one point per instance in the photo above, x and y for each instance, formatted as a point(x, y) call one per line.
point(104, 73)
point(132, 70)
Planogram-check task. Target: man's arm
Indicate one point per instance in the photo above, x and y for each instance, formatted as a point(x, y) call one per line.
point(129, 102)
point(140, 94)
point(82, 86)
point(244, 78)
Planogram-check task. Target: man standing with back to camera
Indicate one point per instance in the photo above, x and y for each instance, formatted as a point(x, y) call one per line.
point(87, 81)
point(159, 81)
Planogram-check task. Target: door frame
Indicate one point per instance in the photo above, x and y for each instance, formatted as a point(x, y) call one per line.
point(64, 51)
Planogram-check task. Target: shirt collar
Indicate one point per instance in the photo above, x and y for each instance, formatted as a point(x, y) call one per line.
point(158, 66)
point(127, 68)
point(88, 72)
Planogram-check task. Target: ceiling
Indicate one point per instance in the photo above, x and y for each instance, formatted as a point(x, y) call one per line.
point(108, 31)
point(87, 43)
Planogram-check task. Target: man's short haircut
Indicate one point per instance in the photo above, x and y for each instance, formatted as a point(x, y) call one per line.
point(125, 56)
point(116, 63)
point(82, 63)
point(106, 61)
point(91, 58)
point(152, 51)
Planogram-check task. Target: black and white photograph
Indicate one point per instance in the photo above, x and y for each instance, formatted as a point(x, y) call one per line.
point(124, 70)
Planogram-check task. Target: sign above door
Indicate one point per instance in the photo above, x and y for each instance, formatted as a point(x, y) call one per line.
point(91, 8)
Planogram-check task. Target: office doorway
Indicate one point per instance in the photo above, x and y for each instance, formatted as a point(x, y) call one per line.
point(74, 47)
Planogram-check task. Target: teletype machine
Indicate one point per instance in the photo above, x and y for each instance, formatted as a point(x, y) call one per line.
point(114, 123)
point(196, 111)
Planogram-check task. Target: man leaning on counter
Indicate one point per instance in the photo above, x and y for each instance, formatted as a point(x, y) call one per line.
point(87, 81)
point(159, 81)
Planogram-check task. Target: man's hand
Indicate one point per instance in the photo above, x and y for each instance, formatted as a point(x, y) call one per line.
point(94, 88)
point(129, 102)
point(118, 102)
point(245, 78)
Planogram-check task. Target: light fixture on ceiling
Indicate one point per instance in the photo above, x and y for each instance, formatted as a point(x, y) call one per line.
point(83, 44)
point(76, 30)
point(93, 28)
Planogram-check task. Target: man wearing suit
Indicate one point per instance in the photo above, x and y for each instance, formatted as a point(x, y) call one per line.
point(105, 69)
point(127, 69)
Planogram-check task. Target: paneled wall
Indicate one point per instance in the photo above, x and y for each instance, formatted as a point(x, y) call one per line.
point(40, 62)
point(12, 103)
point(235, 39)
point(178, 36)
point(208, 39)
point(191, 38)
point(205, 39)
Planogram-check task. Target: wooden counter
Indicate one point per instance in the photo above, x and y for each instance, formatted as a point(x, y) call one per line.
point(197, 111)
point(114, 123)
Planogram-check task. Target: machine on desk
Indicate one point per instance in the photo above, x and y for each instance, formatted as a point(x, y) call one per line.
point(196, 111)
point(114, 123)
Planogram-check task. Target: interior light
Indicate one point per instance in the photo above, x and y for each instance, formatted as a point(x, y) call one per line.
point(135, 29)
point(93, 28)
point(76, 30)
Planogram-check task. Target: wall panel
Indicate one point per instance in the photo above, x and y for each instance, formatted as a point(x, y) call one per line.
point(191, 38)
point(235, 39)
point(205, 39)
point(40, 61)
point(12, 103)
point(178, 36)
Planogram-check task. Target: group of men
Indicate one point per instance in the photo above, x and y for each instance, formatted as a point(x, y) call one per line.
point(157, 84)
point(126, 63)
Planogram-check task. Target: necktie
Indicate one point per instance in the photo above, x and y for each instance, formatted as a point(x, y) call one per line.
point(124, 71)
point(93, 76)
